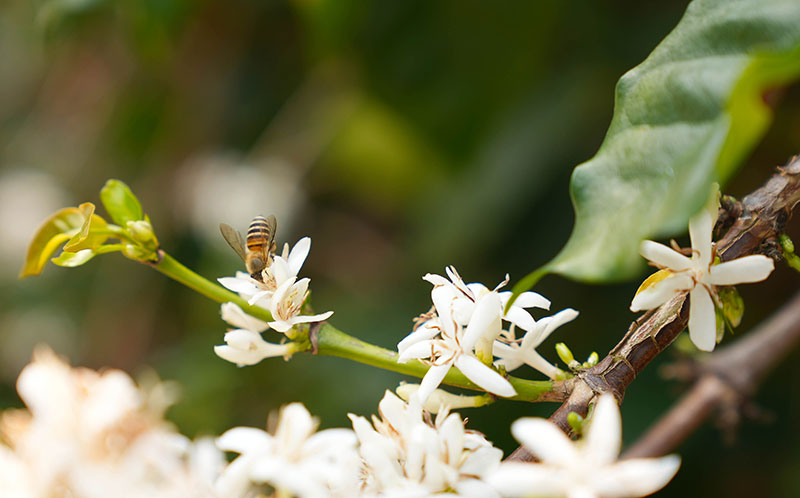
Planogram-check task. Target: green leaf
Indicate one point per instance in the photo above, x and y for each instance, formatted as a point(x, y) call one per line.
point(72, 259)
point(56, 230)
point(120, 202)
point(684, 118)
point(87, 238)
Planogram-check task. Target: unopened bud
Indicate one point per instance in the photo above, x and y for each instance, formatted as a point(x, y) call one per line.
point(440, 399)
point(575, 422)
point(141, 231)
point(566, 355)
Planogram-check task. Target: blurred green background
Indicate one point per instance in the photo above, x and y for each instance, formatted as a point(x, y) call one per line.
point(400, 136)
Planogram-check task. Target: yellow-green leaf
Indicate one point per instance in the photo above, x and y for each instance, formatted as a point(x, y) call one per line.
point(87, 238)
point(72, 259)
point(56, 230)
point(120, 202)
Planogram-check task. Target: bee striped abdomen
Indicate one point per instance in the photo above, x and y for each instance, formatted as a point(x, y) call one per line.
point(259, 234)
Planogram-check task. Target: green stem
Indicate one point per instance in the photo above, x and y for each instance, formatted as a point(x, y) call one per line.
point(332, 342)
point(170, 267)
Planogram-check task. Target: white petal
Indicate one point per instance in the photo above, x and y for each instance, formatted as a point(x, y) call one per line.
point(235, 316)
point(244, 440)
point(435, 279)
point(510, 357)
point(443, 298)
point(433, 377)
point(527, 300)
point(702, 320)
point(700, 227)
point(520, 318)
point(295, 425)
point(527, 479)
point(744, 270)
point(311, 318)
point(281, 270)
point(473, 488)
point(299, 254)
point(281, 326)
point(424, 332)
point(547, 326)
point(664, 256)
point(238, 285)
point(485, 322)
point(545, 440)
point(533, 359)
point(661, 292)
point(421, 349)
point(604, 435)
point(258, 296)
point(484, 376)
point(637, 477)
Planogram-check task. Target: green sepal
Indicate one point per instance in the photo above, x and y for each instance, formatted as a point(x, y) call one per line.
point(732, 305)
point(56, 230)
point(120, 202)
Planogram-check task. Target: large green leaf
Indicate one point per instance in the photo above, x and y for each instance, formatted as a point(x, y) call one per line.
point(683, 119)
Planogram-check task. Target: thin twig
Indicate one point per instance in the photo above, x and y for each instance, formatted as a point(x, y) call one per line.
point(731, 375)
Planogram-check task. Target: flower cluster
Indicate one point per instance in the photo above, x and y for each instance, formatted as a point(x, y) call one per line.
point(698, 276)
point(405, 453)
point(91, 434)
point(465, 330)
point(281, 293)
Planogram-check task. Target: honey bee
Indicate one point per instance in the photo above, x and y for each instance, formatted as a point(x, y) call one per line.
point(257, 249)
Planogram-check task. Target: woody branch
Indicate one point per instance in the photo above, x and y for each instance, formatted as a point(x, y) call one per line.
point(750, 226)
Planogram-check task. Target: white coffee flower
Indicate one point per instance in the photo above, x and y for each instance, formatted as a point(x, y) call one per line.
point(586, 469)
point(93, 434)
point(295, 459)
point(698, 276)
point(406, 456)
point(461, 330)
point(244, 345)
point(453, 349)
point(287, 302)
point(513, 353)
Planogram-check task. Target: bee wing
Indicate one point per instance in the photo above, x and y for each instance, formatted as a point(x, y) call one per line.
point(273, 227)
point(234, 239)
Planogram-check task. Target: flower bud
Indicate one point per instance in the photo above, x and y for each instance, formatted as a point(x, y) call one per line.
point(141, 232)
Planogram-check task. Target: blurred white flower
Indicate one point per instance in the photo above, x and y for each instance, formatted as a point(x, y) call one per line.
point(93, 434)
point(698, 276)
point(513, 353)
point(293, 460)
point(405, 455)
point(586, 469)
